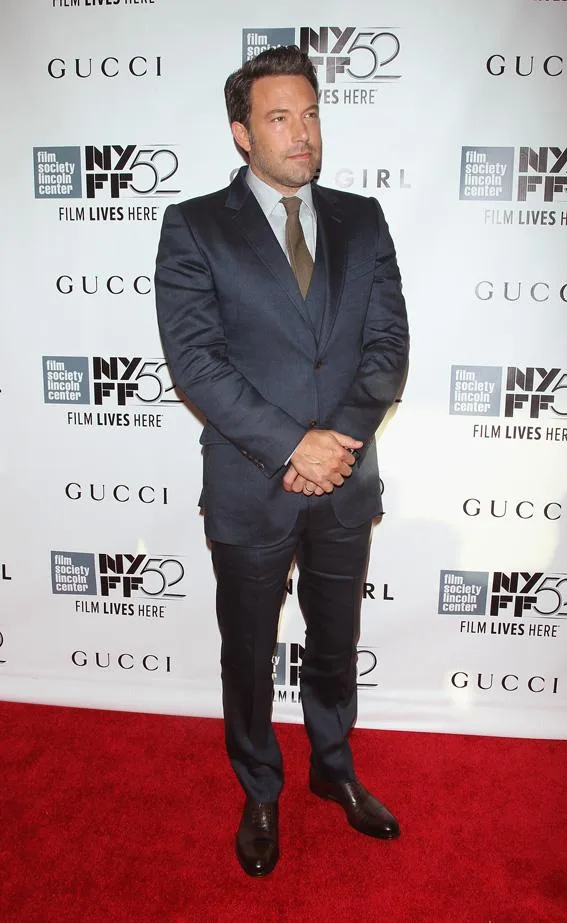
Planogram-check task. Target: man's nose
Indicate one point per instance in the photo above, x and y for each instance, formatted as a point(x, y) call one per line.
point(300, 132)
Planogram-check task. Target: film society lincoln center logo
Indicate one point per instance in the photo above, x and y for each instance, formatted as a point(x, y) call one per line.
point(531, 401)
point(351, 62)
point(122, 382)
point(519, 603)
point(126, 584)
point(535, 178)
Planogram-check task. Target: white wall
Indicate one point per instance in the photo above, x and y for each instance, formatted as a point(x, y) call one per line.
point(411, 117)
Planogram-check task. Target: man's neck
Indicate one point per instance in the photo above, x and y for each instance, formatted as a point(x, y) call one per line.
point(285, 191)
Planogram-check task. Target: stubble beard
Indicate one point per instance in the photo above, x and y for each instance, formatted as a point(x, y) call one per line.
point(290, 175)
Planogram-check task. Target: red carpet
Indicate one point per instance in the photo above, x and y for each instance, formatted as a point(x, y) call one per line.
point(109, 817)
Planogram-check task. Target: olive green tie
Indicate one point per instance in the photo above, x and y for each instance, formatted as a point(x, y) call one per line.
point(298, 252)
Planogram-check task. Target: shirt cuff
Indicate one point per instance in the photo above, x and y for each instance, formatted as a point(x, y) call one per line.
point(287, 461)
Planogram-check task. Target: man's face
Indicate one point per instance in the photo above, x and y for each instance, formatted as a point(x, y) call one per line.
point(283, 139)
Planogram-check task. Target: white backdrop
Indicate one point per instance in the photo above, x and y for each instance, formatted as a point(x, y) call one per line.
point(449, 114)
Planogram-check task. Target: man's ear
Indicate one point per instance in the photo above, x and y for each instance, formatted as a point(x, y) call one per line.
point(241, 136)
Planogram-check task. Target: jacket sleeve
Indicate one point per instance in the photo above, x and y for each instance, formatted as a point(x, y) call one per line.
point(385, 346)
point(193, 337)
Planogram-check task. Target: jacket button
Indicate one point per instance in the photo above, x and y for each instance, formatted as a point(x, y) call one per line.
point(318, 365)
point(312, 423)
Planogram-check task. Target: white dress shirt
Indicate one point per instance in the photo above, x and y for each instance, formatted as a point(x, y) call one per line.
point(269, 200)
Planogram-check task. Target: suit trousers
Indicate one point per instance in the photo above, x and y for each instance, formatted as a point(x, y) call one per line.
point(251, 583)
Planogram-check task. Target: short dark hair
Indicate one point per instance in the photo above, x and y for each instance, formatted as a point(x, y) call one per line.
point(285, 60)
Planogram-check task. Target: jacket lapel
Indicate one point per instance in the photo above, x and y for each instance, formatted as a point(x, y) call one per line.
point(250, 220)
point(330, 233)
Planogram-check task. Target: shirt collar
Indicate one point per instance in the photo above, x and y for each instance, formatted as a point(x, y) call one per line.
point(268, 197)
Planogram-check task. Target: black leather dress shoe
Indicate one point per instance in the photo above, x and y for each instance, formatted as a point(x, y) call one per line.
point(363, 811)
point(257, 838)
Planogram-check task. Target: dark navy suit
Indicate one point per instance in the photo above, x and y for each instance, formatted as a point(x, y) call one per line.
point(264, 365)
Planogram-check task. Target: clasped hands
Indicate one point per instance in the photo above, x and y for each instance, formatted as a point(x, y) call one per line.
point(321, 462)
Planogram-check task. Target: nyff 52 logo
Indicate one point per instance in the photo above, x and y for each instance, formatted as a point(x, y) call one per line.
point(112, 170)
point(492, 391)
point(513, 593)
point(118, 380)
point(125, 575)
point(287, 663)
point(487, 174)
point(349, 54)
point(359, 54)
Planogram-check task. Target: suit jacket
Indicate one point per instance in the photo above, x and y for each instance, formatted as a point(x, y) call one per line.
point(243, 346)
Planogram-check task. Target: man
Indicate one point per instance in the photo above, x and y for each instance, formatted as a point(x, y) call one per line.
point(282, 319)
